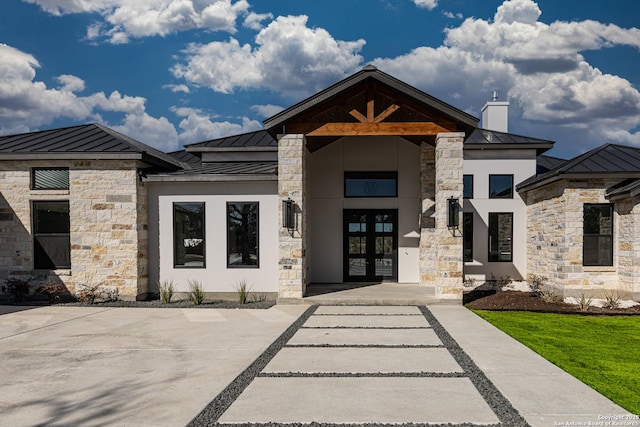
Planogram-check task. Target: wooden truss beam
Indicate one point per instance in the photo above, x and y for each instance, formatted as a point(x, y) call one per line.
point(367, 129)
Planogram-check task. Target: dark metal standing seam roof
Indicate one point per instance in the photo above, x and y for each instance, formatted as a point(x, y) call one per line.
point(186, 157)
point(370, 72)
point(546, 163)
point(628, 187)
point(92, 139)
point(260, 138)
point(481, 138)
point(228, 168)
point(608, 159)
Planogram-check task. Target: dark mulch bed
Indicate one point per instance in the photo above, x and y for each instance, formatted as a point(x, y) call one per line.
point(528, 301)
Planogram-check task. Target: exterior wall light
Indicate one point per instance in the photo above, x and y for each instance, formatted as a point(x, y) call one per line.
point(453, 217)
point(288, 214)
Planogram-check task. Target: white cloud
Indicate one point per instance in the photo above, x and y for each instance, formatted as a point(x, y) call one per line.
point(197, 126)
point(266, 110)
point(451, 15)
point(314, 60)
point(254, 20)
point(426, 4)
point(126, 19)
point(157, 132)
point(27, 104)
point(537, 65)
point(70, 83)
point(177, 88)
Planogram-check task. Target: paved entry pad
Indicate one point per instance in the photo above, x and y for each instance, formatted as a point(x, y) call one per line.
point(363, 360)
point(386, 337)
point(361, 365)
point(360, 401)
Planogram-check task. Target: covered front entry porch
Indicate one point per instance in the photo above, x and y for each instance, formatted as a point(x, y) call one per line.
point(363, 293)
point(367, 170)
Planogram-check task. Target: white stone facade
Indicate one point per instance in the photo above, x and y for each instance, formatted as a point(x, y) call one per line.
point(555, 239)
point(108, 224)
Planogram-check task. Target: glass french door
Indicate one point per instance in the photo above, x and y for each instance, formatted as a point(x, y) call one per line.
point(370, 245)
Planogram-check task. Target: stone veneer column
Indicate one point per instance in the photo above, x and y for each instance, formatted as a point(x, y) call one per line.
point(292, 273)
point(428, 250)
point(440, 248)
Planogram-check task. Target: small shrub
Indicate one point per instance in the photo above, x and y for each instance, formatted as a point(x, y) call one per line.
point(259, 297)
point(243, 289)
point(584, 302)
point(612, 300)
point(469, 282)
point(548, 294)
point(18, 288)
point(52, 290)
point(87, 294)
point(537, 282)
point(501, 282)
point(196, 293)
point(166, 291)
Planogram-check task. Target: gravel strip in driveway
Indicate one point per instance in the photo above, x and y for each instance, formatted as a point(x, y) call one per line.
point(304, 377)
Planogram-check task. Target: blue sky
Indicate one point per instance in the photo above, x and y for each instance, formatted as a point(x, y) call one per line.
point(172, 72)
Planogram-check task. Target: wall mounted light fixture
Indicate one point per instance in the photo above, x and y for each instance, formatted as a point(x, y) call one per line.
point(288, 214)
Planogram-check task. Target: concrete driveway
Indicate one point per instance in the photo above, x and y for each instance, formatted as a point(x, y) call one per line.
point(352, 365)
point(125, 366)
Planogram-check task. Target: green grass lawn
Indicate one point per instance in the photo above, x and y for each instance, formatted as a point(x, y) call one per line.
point(601, 351)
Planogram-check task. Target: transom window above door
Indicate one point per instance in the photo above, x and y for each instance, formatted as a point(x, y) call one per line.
point(371, 184)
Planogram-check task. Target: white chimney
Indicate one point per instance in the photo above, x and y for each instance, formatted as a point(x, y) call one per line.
point(495, 114)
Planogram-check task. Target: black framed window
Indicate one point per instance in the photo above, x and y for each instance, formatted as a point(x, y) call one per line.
point(467, 185)
point(501, 186)
point(242, 234)
point(188, 235)
point(597, 247)
point(371, 184)
point(500, 237)
point(467, 236)
point(51, 235)
point(50, 178)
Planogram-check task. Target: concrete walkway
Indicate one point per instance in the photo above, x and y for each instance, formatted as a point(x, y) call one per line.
point(290, 364)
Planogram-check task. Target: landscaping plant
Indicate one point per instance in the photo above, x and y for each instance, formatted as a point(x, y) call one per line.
point(166, 288)
point(243, 290)
point(87, 294)
point(537, 283)
point(612, 299)
point(18, 288)
point(584, 302)
point(196, 293)
point(52, 290)
point(548, 294)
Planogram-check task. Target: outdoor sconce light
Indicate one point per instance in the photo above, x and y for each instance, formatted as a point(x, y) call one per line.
point(453, 219)
point(288, 214)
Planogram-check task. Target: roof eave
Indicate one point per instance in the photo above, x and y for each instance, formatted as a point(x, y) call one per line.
point(196, 149)
point(539, 147)
point(210, 178)
point(70, 156)
point(558, 175)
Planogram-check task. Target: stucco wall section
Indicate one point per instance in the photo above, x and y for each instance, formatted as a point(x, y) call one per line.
point(292, 264)
point(107, 224)
point(216, 276)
